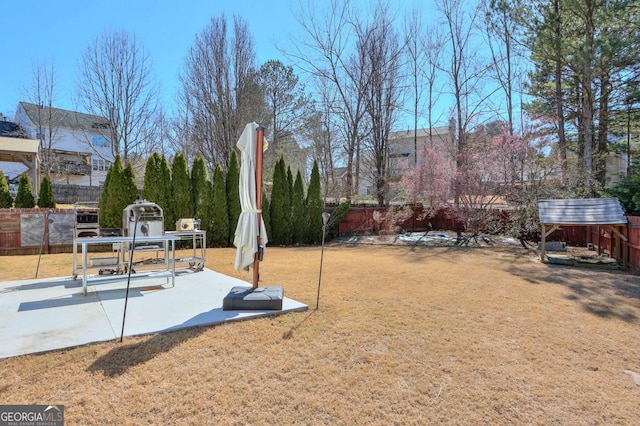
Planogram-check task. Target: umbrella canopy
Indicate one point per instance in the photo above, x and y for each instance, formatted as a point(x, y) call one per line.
point(250, 223)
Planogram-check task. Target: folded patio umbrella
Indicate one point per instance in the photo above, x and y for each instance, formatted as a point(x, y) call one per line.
point(250, 221)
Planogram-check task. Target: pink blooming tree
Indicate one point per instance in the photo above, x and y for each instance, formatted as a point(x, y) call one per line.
point(430, 182)
point(490, 170)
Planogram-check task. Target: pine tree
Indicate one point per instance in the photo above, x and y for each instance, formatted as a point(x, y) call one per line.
point(203, 209)
point(165, 200)
point(290, 185)
point(266, 214)
point(110, 215)
point(104, 197)
point(6, 201)
point(118, 192)
point(25, 198)
point(130, 189)
point(198, 186)
point(206, 222)
point(219, 212)
point(315, 207)
point(151, 190)
point(180, 190)
point(233, 194)
point(297, 210)
point(280, 206)
point(46, 198)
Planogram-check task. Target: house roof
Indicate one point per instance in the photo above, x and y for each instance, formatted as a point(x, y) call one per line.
point(420, 133)
point(12, 130)
point(72, 120)
point(587, 211)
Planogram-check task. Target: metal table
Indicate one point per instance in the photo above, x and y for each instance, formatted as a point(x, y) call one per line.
point(197, 237)
point(169, 264)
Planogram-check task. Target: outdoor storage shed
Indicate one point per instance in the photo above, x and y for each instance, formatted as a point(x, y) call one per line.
point(603, 212)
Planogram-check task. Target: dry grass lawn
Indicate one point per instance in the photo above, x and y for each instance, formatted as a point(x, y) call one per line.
point(404, 335)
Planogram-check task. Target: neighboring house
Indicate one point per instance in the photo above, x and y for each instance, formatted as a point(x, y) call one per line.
point(404, 146)
point(616, 166)
point(75, 148)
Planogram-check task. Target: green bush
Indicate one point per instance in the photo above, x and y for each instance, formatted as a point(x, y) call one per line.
point(266, 214)
point(104, 198)
point(151, 190)
point(297, 211)
point(281, 229)
point(220, 216)
point(181, 195)
point(165, 195)
point(46, 199)
point(25, 198)
point(336, 217)
point(233, 194)
point(628, 191)
point(199, 178)
point(315, 207)
point(6, 201)
point(118, 192)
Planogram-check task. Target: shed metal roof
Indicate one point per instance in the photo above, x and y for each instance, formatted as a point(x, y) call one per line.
point(585, 211)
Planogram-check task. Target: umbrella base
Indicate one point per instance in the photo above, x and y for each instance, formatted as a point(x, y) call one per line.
point(242, 298)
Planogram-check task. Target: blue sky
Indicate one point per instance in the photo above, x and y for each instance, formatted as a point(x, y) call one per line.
point(60, 31)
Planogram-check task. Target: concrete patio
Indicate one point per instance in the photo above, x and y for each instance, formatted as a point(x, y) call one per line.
point(48, 314)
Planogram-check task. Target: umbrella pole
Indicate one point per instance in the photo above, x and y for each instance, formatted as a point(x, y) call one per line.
point(259, 158)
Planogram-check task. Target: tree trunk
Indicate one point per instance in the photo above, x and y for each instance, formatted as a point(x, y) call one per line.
point(562, 141)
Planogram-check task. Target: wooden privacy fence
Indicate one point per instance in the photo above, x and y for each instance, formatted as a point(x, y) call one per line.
point(633, 234)
point(364, 220)
point(361, 220)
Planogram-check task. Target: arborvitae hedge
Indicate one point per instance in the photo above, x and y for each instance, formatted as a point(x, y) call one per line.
point(165, 195)
point(266, 214)
point(233, 194)
point(46, 198)
point(220, 215)
point(297, 210)
point(151, 190)
point(290, 189)
point(180, 190)
point(104, 197)
point(280, 206)
point(129, 185)
point(25, 198)
point(199, 178)
point(6, 200)
point(118, 192)
point(315, 207)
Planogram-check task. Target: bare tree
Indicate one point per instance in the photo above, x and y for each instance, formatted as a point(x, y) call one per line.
point(328, 54)
point(220, 93)
point(433, 46)
point(382, 51)
point(500, 27)
point(116, 82)
point(42, 93)
point(321, 131)
point(466, 72)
